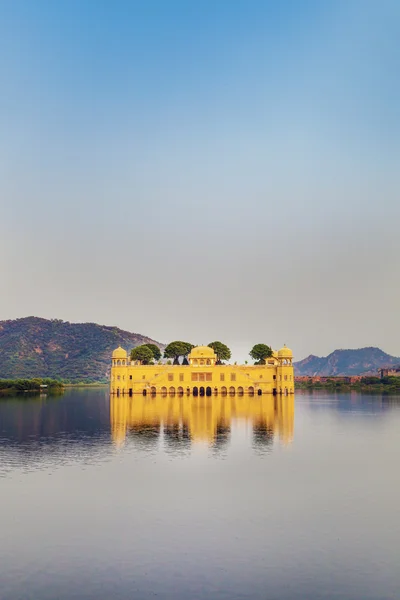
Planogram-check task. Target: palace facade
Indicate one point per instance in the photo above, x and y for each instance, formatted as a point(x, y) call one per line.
point(202, 376)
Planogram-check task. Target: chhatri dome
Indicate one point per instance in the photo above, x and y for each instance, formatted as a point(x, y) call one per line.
point(285, 352)
point(202, 352)
point(120, 353)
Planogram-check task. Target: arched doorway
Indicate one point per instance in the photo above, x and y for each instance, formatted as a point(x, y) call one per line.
point(231, 391)
point(251, 391)
point(144, 392)
point(216, 391)
point(240, 391)
point(195, 391)
point(208, 391)
point(172, 391)
point(223, 391)
point(180, 391)
point(130, 392)
point(164, 391)
point(259, 392)
point(202, 391)
point(153, 391)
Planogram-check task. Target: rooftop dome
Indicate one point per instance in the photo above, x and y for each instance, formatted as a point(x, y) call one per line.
point(119, 353)
point(285, 352)
point(202, 352)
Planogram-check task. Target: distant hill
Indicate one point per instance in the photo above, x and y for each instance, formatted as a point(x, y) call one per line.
point(34, 347)
point(346, 362)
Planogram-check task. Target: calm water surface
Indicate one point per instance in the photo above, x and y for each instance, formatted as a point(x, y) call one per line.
point(199, 498)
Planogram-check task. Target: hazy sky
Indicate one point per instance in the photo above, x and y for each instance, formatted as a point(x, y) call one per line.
point(203, 170)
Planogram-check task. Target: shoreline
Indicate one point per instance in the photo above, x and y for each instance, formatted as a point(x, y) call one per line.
point(85, 385)
point(350, 387)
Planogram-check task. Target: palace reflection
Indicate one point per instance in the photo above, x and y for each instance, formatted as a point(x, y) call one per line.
point(184, 420)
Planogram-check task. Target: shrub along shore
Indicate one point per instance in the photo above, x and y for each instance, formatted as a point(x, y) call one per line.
point(13, 386)
point(365, 384)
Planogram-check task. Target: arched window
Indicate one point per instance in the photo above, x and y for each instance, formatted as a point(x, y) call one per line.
point(208, 361)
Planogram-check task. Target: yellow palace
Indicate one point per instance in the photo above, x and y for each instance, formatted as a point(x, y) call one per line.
point(202, 376)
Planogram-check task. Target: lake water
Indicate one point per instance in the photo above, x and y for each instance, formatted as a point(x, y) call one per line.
point(195, 498)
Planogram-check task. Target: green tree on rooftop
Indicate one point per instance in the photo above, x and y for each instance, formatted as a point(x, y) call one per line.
point(260, 352)
point(221, 350)
point(176, 349)
point(142, 353)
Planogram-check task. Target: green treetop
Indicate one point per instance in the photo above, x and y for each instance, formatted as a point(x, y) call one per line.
point(142, 353)
point(222, 351)
point(176, 349)
point(155, 350)
point(260, 352)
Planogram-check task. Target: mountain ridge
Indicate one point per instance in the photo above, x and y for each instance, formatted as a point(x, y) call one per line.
point(346, 362)
point(38, 347)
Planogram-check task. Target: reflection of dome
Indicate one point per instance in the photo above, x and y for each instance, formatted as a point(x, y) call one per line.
point(285, 352)
point(119, 353)
point(202, 352)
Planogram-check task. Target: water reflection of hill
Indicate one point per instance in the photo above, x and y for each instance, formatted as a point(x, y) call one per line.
point(180, 421)
point(351, 402)
point(48, 429)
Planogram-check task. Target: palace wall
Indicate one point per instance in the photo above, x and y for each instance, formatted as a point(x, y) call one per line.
point(217, 379)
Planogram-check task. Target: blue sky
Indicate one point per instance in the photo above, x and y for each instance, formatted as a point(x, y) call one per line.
point(204, 170)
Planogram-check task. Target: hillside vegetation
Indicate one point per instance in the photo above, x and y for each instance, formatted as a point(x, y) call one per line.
point(33, 347)
point(346, 362)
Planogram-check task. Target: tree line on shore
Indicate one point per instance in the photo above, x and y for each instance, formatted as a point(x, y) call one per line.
point(384, 384)
point(29, 385)
point(149, 354)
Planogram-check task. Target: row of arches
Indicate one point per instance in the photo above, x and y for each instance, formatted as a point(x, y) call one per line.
point(205, 391)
